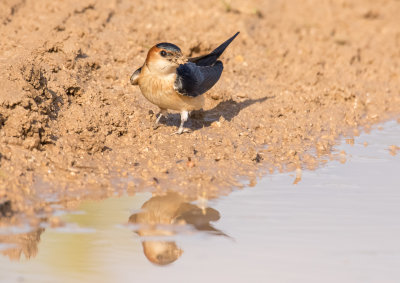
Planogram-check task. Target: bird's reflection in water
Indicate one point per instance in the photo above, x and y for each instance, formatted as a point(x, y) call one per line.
point(21, 244)
point(160, 215)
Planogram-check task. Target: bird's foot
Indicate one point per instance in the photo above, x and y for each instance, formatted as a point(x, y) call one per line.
point(156, 126)
point(157, 122)
point(181, 131)
point(184, 117)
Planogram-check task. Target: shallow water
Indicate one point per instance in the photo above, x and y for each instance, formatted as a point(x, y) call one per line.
point(339, 223)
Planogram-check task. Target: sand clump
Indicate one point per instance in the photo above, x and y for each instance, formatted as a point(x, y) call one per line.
point(295, 80)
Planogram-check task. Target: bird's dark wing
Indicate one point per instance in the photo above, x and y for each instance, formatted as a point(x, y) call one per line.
point(193, 80)
point(209, 59)
point(135, 76)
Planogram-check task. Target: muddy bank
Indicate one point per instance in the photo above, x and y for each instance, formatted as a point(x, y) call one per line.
point(295, 80)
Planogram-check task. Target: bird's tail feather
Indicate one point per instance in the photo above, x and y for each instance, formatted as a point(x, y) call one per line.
point(220, 49)
point(211, 58)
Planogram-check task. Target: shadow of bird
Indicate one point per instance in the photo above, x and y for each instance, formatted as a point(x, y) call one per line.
point(227, 109)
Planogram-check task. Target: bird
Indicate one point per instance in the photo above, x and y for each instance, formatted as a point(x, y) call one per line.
point(172, 81)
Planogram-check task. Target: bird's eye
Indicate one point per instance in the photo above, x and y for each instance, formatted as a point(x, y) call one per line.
point(163, 53)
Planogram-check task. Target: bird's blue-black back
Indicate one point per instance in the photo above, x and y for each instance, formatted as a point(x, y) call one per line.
point(193, 80)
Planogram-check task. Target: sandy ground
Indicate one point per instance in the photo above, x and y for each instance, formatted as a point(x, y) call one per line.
point(300, 75)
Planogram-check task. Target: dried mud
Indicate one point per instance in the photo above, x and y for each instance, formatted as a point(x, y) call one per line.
point(297, 79)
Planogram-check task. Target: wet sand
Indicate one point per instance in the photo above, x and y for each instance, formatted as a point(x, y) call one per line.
point(296, 79)
point(338, 223)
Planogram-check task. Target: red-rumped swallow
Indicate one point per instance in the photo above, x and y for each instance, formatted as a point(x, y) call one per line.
point(171, 81)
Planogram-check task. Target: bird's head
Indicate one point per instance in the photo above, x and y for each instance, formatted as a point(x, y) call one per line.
point(161, 252)
point(164, 58)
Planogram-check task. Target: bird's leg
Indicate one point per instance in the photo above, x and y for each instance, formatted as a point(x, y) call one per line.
point(184, 117)
point(163, 112)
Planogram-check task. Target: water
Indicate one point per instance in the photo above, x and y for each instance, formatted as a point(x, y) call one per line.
point(340, 223)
